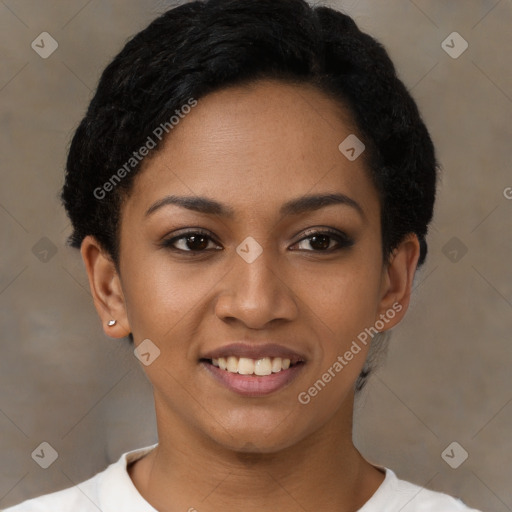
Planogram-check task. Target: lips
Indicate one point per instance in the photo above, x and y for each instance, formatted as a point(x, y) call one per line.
point(247, 379)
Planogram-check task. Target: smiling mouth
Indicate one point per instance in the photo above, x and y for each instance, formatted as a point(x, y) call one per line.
point(259, 367)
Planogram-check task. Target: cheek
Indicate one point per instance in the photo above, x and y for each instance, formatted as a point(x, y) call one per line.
point(160, 295)
point(344, 297)
point(342, 305)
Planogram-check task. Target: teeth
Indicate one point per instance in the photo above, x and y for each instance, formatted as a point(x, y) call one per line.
point(232, 365)
point(246, 366)
point(263, 366)
point(276, 364)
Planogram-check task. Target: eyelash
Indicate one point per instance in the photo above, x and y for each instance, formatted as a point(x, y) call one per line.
point(343, 241)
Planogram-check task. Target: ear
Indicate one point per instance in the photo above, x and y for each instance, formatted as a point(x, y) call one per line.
point(397, 280)
point(105, 287)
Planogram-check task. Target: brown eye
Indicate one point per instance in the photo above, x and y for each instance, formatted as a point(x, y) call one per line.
point(325, 241)
point(196, 242)
point(191, 242)
point(320, 242)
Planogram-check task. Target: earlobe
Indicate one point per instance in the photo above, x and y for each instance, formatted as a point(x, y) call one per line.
point(105, 288)
point(397, 280)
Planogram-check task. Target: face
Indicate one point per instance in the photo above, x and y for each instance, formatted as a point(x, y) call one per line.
point(250, 236)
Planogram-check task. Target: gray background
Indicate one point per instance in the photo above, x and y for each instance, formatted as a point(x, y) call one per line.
point(447, 376)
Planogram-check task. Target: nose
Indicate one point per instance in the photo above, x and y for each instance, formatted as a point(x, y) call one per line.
point(257, 293)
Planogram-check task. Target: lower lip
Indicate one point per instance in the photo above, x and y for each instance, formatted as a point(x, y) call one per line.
point(254, 385)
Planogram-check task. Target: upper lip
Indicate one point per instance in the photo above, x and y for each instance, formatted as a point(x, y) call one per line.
point(255, 351)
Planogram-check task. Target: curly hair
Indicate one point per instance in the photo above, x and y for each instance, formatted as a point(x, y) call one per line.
point(206, 45)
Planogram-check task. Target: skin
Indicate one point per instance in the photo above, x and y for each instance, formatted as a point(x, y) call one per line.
point(252, 148)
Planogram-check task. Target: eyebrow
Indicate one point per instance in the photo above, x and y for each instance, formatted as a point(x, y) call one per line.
point(293, 207)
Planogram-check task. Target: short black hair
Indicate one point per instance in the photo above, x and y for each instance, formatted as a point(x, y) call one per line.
point(207, 45)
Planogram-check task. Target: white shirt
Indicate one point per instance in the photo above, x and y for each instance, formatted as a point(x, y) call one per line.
point(112, 490)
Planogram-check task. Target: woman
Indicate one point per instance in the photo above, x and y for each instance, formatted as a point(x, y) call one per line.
point(250, 190)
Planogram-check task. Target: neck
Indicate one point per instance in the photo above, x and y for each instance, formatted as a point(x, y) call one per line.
point(324, 471)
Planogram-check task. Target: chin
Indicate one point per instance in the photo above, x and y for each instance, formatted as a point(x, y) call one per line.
point(257, 440)
point(259, 445)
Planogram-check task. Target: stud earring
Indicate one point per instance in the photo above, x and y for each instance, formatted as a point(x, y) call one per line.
point(111, 323)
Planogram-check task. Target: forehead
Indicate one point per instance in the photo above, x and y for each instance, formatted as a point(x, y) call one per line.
point(268, 139)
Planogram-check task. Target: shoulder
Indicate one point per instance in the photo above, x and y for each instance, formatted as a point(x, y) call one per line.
point(395, 494)
point(108, 491)
point(80, 497)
